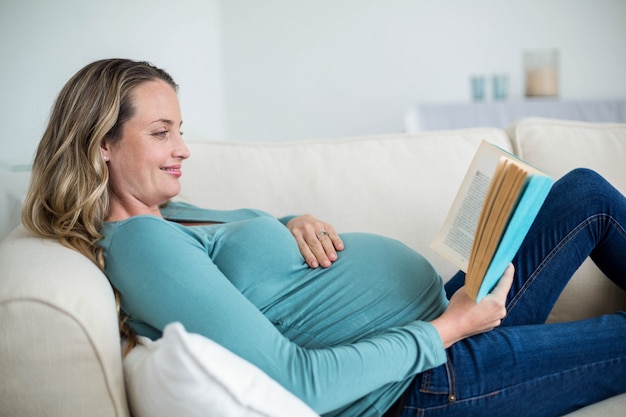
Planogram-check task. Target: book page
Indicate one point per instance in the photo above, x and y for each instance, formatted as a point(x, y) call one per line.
point(461, 234)
point(494, 219)
point(454, 240)
point(489, 201)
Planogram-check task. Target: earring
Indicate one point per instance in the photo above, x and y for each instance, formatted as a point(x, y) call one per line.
point(106, 158)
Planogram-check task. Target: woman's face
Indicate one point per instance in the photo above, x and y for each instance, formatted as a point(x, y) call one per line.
point(145, 163)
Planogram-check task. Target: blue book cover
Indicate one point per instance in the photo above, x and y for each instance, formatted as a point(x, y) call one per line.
point(533, 195)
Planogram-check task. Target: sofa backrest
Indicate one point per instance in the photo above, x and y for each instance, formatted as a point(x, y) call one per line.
point(558, 146)
point(400, 186)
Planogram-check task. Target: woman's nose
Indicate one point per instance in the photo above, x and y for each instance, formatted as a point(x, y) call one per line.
point(181, 150)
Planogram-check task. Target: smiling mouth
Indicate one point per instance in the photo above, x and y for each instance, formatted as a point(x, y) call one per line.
point(172, 171)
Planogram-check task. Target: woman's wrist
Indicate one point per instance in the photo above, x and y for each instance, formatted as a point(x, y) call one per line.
point(447, 329)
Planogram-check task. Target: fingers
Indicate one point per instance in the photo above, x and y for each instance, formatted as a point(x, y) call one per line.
point(330, 241)
point(324, 246)
point(312, 251)
point(308, 255)
point(464, 317)
point(318, 241)
point(503, 286)
point(498, 296)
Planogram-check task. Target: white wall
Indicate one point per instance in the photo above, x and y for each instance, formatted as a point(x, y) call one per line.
point(296, 69)
point(43, 43)
point(12, 186)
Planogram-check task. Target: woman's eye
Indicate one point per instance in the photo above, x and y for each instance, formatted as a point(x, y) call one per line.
point(161, 134)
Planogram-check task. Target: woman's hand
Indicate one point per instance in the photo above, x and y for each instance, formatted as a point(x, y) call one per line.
point(318, 241)
point(464, 317)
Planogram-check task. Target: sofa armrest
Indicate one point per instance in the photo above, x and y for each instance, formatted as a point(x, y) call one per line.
point(60, 346)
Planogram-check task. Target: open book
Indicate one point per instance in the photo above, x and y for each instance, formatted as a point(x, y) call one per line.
point(497, 202)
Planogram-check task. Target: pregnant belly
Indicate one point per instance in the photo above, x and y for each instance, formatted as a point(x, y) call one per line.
point(375, 284)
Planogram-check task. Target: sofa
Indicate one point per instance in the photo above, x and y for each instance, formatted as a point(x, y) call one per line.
point(60, 351)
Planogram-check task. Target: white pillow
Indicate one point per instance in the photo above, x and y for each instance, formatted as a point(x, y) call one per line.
point(187, 375)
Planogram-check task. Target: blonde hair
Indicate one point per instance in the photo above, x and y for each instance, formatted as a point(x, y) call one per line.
point(68, 196)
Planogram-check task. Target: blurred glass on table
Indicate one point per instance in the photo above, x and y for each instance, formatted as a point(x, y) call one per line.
point(477, 83)
point(500, 87)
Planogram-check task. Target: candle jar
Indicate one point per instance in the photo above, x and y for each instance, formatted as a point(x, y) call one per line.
point(542, 73)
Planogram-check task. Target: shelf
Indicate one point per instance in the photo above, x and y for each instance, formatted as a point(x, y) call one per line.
point(500, 114)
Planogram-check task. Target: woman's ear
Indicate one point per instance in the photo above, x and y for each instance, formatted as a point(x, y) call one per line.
point(104, 148)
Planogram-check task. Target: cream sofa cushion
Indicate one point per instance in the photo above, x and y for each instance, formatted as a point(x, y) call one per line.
point(59, 344)
point(556, 147)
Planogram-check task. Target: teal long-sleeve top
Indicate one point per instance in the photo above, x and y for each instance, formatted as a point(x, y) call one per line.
point(347, 339)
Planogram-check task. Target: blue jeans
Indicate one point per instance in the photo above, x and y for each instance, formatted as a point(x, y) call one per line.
point(526, 367)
